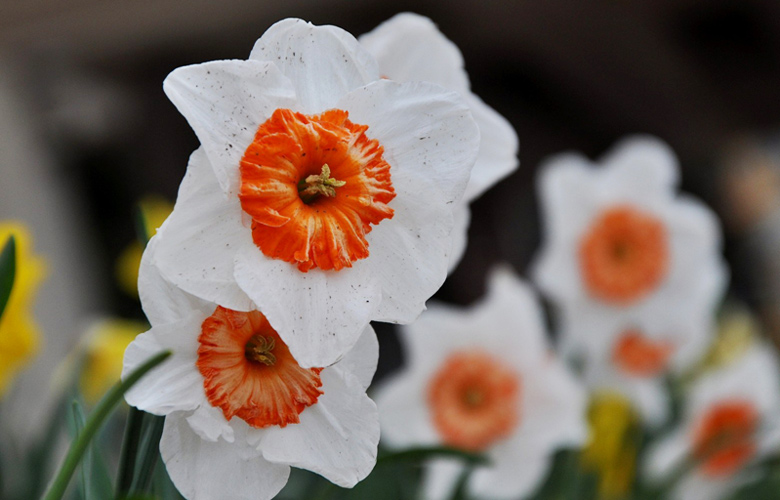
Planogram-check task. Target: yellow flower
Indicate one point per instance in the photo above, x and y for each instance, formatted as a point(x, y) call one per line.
point(19, 334)
point(611, 452)
point(104, 351)
point(153, 210)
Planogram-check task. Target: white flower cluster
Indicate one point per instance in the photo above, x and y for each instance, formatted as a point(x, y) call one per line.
point(331, 189)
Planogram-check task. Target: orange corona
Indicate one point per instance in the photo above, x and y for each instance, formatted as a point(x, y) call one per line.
point(313, 186)
point(639, 356)
point(624, 255)
point(474, 400)
point(249, 372)
point(724, 439)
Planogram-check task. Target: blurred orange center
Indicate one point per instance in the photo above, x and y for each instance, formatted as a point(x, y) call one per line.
point(249, 372)
point(639, 356)
point(474, 400)
point(313, 186)
point(623, 255)
point(724, 439)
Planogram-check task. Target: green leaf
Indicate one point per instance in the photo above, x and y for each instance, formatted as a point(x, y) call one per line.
point(93, 424)
point(7, 271)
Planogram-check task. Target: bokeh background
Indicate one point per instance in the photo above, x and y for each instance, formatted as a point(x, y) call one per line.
point(86, 131)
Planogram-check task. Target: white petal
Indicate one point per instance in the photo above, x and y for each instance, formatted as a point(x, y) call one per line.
point(498, 148)
point(204, 470)
point(698, 487)
point(210, 424)
point(409, 47)
point(410, 253)
point(360, 362)
point(197, 243)
point(644, 163)
point(336, 438)
point(403, 412)
point(322, 62)
point(666, 455)
point(176, 384)
point(553, 408)
point(441, 477)
point(225, 102)
point(459, 235)
point(161, 300)
point(426, 130)
point(514, 472)
point(319, 314)
point(507, 323)
point(754, 377)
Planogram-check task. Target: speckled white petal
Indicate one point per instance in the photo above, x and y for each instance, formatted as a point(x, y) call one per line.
point(403, 411)
point(225, 102)
point(441, 477)
point(425, 130)
point(361, 360)
point(319, 314)
point(643, 163)
point(409, 47)
point(204, 470)
point(410, 253)
point(322, 62)
point(336, 438)
point(161, 300)
point(197, 243)
point(459, 235)
point(176, 384)
point(498, 148)
point(209, 423)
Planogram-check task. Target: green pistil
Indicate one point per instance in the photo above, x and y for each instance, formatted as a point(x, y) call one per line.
point(314, 186)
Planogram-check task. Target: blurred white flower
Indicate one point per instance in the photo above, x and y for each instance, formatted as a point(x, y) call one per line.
point(239, 409)
point(485, 380)
point(320, 164)
point(409, 47)
point(634, 269)
point(731, 419)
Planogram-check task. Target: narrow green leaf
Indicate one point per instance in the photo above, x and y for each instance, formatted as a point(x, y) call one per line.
point(127, 459)
point(78, 421)
point(95, 420)
point(148, 453)
point(7, 271)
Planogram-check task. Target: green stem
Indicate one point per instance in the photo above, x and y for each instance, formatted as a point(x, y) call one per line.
point(124, 480)
point(101, 412)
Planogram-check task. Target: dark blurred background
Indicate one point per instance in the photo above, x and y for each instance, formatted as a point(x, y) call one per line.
point(84, 78)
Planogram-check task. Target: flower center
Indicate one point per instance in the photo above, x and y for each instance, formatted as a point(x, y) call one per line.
point(314, 185)
point(248, 370)
point(260, 350)
point(724, 439)
point(624, 255)
point(474, 400)
point(639, 356)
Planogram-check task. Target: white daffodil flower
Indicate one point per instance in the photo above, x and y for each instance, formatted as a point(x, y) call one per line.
point(484, 379)
point(731, 419)
point(409, 47)
point(633, 268)
point(321, 193)
point(239, 409)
